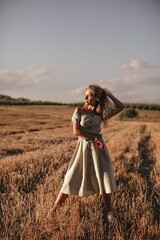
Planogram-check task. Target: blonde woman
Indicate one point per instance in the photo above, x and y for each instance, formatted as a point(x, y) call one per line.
point(90, 169)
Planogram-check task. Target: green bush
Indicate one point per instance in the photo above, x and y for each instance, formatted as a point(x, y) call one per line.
point(128, 113)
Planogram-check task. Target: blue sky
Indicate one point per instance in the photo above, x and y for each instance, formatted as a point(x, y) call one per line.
point(53, 49)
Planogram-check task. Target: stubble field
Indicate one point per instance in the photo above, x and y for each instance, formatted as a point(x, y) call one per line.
point(35, 149)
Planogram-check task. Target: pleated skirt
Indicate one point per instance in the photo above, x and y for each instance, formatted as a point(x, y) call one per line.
point(90, 171)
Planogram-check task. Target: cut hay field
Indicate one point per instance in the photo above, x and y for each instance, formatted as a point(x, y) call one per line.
point(35, 148)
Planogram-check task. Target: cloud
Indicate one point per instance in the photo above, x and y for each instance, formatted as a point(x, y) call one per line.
point(137, 65)
point(137, 84)
point(135, 81)
point(130, 89)
point(30, 76)
point(134, 86)
point(78, 91)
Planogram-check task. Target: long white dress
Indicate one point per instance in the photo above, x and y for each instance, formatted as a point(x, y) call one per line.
point(90, 169)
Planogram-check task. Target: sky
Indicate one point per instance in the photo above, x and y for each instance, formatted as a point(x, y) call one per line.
point(52, 50)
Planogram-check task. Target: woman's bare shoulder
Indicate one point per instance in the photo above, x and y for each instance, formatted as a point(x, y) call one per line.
point(83, 110)
point(79, 109)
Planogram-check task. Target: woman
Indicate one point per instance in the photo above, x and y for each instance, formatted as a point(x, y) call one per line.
point(90, 170)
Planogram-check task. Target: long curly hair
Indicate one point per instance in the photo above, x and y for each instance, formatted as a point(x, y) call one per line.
point(103, 105)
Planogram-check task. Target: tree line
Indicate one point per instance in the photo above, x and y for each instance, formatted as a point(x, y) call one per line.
point(7, 100)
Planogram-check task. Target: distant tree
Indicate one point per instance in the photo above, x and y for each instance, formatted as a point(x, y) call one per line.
point(5, 97)
point(128, 113)
point(22, 99)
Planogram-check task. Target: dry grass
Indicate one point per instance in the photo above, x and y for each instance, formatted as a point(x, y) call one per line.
point(35, 149)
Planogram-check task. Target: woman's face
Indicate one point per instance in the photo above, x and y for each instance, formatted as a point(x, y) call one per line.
point(90, 98)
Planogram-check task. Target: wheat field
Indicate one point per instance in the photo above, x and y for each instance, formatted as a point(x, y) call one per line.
point(35, 149)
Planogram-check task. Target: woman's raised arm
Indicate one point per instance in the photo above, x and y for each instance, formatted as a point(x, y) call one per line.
point(119, 105)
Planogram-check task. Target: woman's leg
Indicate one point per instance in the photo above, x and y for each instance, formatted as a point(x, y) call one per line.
point(108, 206)
point(61, 198)
point(107, 201)
point(59, 201)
